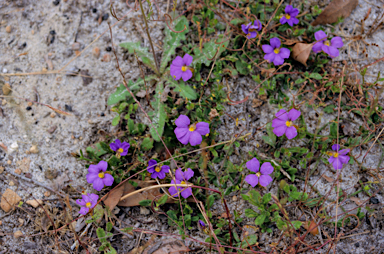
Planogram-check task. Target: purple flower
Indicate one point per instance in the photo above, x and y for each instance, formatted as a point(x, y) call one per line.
point(338, 158)
point(250, 30)
point(202, 224)
point(329, 47)
point(88, 202)
point(181, 178)
point(97, 176)
point(290, 16)
point(156, 170)
point(179, 67)
point(120, 148)
point(190, 133)
point(261, 177)
point(282, 124)
point(275, 54)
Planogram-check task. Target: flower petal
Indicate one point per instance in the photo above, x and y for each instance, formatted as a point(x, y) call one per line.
point(266, 168)
point(185, 139)
point(117, 142)
point(293, 13)
point(91, 177)
point(244, 28)
point(151, 166)
point(186, 75)
point(195, 138)
point(80, 202)
point(252, 35)
point(290, 22)
point(155, 175)
point(185, 193)
point(178, 61)
point(278, 60)
point(252, 179)
point(344, 151)
point(113, 147)
point(336, 147)
point(288, 8)
point(280, 131)
point(182, 121)
point(295, 21)
point(98, 184)
point(325, 48)
point(282, 115)
point(337, 164)
point(275, 42)
point(291, 132)
point(253, 165)
point(265, 180)
point(284, 53)
point(277, 122)
point(176, 72)
point(179, 175)
point(267, 48)
point(317, 47)
point(187, 59)
point(283, 20)
point(188, 174)
point(103, 165)
point(293, 114)
point(333, 52)
point(331, 159)
point(337, 42)
point(202, 128)
point(84, 210)
point(181, 132)
point(320, 35)
point(161, 175)
point(93, 169)
point(270, 57)
point(165, 169)
point(108, 180)
point(344, 159)
point(94, 198)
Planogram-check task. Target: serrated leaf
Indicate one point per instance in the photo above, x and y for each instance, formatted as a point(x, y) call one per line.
point(147, 144)
point(159, 114)
point(122, 93)
point(142, 53)
point(183, 89)
point(172, 40)
point(209, 51)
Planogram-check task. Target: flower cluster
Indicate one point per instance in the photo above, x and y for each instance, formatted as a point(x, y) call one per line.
point(251, 30)
point(261, 175)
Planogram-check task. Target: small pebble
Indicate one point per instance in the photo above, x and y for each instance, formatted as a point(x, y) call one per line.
point(33, 32)
point(52, 129)
point(76, 46)
point(8, 29)
point(28, 108)
point(11, 183)
point(374, 200)
point(28, 175)
point(102, 114)
point(1, 169)
point(3, 102)
point(34, 202)
point(105, 16)
point(18, 234)
point(9, 162)
point(18, 171)
point(53, 115)
point(21, 221)
point(5, 70)
point(6, 89)
point(96, 52)
point(56, 2)
point(94, 10)
point(106, 58)
point(27, 152)
point(67, 107)
point(1, 223)
point(109, 49)
point(30, 104)
point(34, 149)
point(47, 194)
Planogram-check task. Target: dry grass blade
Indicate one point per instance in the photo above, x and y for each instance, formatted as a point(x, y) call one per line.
point(301, 51)
point(335, 10)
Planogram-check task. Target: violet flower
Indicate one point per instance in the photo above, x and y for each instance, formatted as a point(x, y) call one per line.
point(328, 47)
point(290, 16)
point(181, 178)
point(261, 177)
point(156, 170)
point(180, 69)
point(274, 53)
point(202, 224)
point(88, 202)
point(251, 30)
point(186, 132)
point(97, 176)
point(120, 148)
point(338, 158)
point(282, 124)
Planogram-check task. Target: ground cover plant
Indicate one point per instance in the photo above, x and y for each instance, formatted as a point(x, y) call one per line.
point(228, 193)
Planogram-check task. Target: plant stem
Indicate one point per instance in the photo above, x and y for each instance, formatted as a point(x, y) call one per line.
point(149, 37)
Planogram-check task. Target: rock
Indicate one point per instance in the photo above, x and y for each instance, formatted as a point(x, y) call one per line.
point(144, 210)
point(18, 234)
point(53, 115)
point(34, 202)
point(1, 169)
point(47, 194)
point(9, 162)
point(76, 46)
point(21, 221)
point(9, 199)
point(11, 183)
point(13, 147)
point(6, 89)
point(34, 149)
point(24, 164)
point(52, 129)
point(8, 29)
point(96, 52)
point(106, 58)
point(18, 171)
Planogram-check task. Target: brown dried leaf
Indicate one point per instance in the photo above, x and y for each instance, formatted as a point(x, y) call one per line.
point(356, 200)
point(114, 196)
point(301, 51)
point(167, 246)
point(335, 10)
point(312, 224)
point(9, 200)
point(328, 179)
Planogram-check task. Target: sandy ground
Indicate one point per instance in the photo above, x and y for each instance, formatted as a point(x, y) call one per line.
point(38, 36)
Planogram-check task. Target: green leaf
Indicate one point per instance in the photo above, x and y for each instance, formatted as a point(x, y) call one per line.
point(333, 130)
point(266, 198)
point(209, 51)
point(116, 120)
point(122, 93)
point(172, 40)
point(109, 226)
point(147, 144)
point(183, 89)
point(142, 53)
point(159, 114)
point(162, 200)
point(299, 81)
point(260, 219)
point(271, 138)
point(98, 151)
point(249, 240)
point(297, 224)
point(210, 201)
point(250, 213)
point(237, 21)
point(172, 214)
point(101, 234)
point(315, 76)
point(145, 202)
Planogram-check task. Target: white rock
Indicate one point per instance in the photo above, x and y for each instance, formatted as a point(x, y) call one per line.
point(13, 148)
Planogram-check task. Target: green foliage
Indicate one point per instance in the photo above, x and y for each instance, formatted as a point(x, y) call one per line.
point(158, 115)
point(142, 53)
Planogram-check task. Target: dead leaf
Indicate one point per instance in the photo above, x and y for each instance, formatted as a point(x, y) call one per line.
point(290, 42)
point(301, 51)
point(59, 182)
point(167, 246)
point(256, 103)
point(141, 93)
point(329, 179)
point(113, 197)
point(24, 164)
point(312, 224)
point(335, 10)
point(213, 114)
point(356, 200)
point(9, 200)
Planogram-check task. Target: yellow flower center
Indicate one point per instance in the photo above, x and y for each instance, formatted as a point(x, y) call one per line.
point(182, 182)
point(157, 169)
point(120, 150)
point(287, 16)
point(174, 76)
point(88, 204)
point(101, 175)
point(288, 123)
point(258, 174)
point(192, 127)
point(184, 68)
point(327, 43)
point(276, 50)
point(335, 155)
